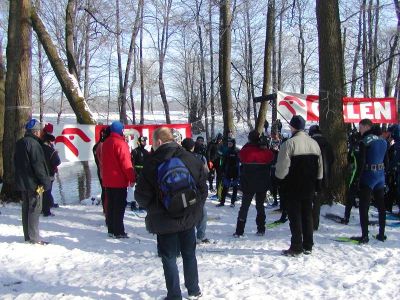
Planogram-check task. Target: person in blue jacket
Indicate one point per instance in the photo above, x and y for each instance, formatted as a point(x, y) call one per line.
point(372, 178)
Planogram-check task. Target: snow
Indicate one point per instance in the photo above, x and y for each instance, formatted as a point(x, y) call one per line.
point(81, 262)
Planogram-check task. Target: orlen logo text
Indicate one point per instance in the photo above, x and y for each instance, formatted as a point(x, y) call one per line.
point(68, 135)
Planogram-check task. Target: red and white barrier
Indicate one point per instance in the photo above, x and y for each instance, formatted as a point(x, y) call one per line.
point(75, 142)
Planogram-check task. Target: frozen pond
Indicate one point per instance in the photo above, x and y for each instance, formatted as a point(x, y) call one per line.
point(75, 182)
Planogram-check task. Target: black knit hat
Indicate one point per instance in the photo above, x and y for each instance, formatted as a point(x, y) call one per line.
point(254, 136)
point(298, 122)
point(188, 144)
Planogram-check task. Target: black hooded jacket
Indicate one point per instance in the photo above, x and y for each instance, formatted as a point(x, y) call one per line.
point(30, 164)
point(328, 157)
point(147, 192)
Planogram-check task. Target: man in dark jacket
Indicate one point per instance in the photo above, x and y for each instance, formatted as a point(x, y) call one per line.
point(139, 155)
point(300, 169)
point(230, 172)
point(53, 161)
point(254, 179)
point(213, 159)
point(327, 161)
point(104, 133)
point(171, 231)
point(31, 179)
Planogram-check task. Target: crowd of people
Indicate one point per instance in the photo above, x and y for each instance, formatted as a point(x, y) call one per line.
point(171, 183)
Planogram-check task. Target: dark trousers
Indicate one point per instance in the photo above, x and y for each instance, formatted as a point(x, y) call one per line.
point(350, 201)
point(365, 200)
point(282, 204)
point(299, 208)
point(227, 183)
point(316, 210)
point(211, 175)
point(116, 203)
point(31, 209)
point(244, 209)
point(167, 245)
point(274, 187)
point(48, 201)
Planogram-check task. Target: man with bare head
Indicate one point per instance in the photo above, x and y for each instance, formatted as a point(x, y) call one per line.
point(172, 188)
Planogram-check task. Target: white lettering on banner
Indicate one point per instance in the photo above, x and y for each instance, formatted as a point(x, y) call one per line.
point(382, 109)
point(379, 110)
point(365, 110)
point(350, 111)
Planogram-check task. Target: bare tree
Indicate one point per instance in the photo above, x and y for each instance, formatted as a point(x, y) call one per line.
point(163, 42)
point(393, 46)
point(18, 87)
point(2, 102)
point(267, 64)
point(142, 92)
point(331, 86)
point(225, 64)
point(68, 81)
point(124, 80)
point(202, 67)
point(212, 98)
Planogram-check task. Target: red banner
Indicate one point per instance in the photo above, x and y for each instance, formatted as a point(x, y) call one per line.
point(379, 110)
point(75, 142)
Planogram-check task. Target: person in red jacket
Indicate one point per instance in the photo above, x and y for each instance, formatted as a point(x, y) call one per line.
point(255, 178)
point(117, 174)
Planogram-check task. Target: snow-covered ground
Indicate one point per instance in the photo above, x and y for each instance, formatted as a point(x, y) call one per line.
point(81, 262)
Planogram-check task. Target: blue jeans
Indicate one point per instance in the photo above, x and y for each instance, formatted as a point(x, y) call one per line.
point(168, 250)
point(201, 227)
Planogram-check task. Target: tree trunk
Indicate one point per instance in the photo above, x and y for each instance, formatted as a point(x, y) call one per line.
point(87, 54)
point(267, 65)
point(225, 64)
point(212, 98)
point(162, 51)
point(68, 82)
point(356, 57)
point(2, 104)
point(202, 71)
point(280, 39)
point(365, 52)
point(18, 87)
point(124, 85)
point(141, 68)
point(120, 79)
point(393, 47)
point(61, 108)
point(69, 38)
point(331, 86)
point(389, 70)
point(250, 61)
point(41, 76)
point(274, 75)
point(301, 49)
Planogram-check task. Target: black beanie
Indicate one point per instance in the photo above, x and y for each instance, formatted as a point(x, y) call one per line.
point(188, 144)
point(298, 122)
point(254, 136)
